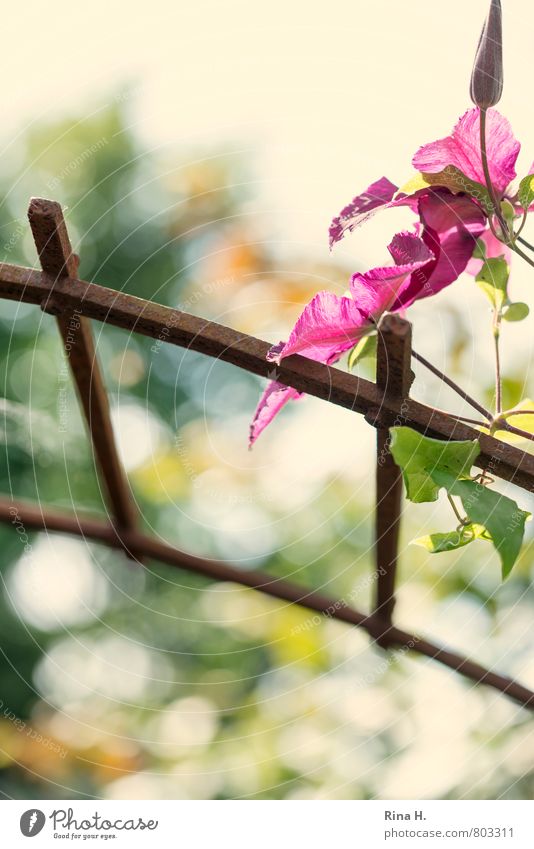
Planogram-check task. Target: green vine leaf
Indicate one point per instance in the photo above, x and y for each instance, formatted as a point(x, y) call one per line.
point(516, 312)
point(364, 349)
point(493, 280)
point(438, 543)
point(480, 250)
point(429, 465)
point(508, 212)
point(525, 194)
point(419, 457)
point(500, 515)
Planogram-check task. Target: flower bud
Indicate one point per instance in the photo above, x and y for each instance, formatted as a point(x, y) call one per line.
point(487, 76)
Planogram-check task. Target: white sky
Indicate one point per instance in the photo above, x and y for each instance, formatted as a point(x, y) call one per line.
point(334, 94)
point(328, 96)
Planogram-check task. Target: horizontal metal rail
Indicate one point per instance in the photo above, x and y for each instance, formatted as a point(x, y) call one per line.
point(187, 331)
point(34, 517)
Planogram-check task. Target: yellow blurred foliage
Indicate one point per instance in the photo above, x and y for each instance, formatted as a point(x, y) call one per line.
point(161, 478)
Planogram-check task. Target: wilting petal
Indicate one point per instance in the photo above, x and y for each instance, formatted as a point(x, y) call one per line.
point(271, 402)
point(452, 224)
point(462, 149)
point(328, 326)
point(494, 247)
point(361, 208)
point(377, 290)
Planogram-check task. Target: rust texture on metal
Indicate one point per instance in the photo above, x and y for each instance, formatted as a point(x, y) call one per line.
point(187, 331)
point(394, 376)
point(60, 265)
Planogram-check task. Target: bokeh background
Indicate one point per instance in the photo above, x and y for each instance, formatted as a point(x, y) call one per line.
point(200, 150)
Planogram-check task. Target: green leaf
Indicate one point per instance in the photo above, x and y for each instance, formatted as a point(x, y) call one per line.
point(480, 250)
point(516, 312)
point(454, 180)
point(501, 516)
point(420, 456)
point(493, 280)
point(525, 194)
point(508, 213)
point(438, 543)
point(365, 348)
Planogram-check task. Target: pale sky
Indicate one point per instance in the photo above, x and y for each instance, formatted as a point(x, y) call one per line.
point(328, 97)
point(332, 95)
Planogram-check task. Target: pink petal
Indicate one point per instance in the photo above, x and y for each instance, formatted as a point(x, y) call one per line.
point(361, 208)
point(271, 402)
point(494, 248)
point(462, 149)
point(377, 290)
point(452, 223)
point(328, 326)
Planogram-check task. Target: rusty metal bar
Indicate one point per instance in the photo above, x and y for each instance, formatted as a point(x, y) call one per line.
point(34, 517)
point(187, 331)
point(394, 376)
point(60, 265)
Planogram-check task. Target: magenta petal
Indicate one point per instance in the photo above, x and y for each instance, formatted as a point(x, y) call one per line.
point(409, 250)
point(377, 290)
point(328, 326)
point(271, 402)
point(462, 149)
point(361, 208)
point(452, 223)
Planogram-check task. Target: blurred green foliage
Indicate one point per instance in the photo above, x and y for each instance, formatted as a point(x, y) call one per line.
point(152, 683)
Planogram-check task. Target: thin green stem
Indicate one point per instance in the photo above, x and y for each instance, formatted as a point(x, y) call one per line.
point(521, 226)
point(519, 413)
point(461, 519)
point(503, 425)
point(498, 380)
point(458, 389)
point(489, 185)
point(521, 253)
point(524, 241)
point(493, 228)
point(465, 419)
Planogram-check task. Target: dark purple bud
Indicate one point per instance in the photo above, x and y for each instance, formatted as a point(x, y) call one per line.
point(487, 76)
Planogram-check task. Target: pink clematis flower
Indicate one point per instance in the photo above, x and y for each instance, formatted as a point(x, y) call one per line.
point(461, 151)
point(449, 223)
point(330, 325)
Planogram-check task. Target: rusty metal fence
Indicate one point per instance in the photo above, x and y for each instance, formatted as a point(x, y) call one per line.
point(58, 291)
